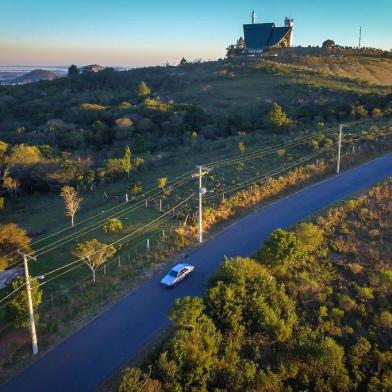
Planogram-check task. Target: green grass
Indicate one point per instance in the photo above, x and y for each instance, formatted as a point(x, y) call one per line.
point(257, 83)
point(44, 214)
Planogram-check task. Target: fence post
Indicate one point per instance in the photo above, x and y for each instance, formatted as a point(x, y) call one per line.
point(146, 202)
point(148, 243)
point(160, 205)
point(163, 233)
point(119, 261)
point(126, 198)
point(104, 269)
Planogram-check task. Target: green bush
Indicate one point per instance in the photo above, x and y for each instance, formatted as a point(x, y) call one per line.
point(113, 225)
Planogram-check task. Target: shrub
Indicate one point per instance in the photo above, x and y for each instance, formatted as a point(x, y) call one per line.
point(386, 319)
point(124, 123)
point(113, 225)
point(310, 235)
point(92, 107)
point(277, 118)
point(346, 303)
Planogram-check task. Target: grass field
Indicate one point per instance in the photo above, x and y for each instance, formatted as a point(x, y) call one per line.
point(246, 85)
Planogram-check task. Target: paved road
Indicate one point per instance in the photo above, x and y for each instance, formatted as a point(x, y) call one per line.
point(96, 351)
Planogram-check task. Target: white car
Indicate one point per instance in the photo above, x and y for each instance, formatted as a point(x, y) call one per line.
point(177, 274)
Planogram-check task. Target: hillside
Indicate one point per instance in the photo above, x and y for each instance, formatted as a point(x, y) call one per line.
point(374, 70)
point(311, 311)
point(34, 76)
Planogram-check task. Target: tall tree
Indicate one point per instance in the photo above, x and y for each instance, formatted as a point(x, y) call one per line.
point(126, 162)
point(277, 118)
point(143, 90)
point(94, 254)
point(72, 201)
point(73, 70)
point(19, 303)
point(12, 238)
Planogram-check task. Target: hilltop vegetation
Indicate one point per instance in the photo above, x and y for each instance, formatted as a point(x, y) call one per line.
point(375, 70)
point(310, 311)
point(74, 126)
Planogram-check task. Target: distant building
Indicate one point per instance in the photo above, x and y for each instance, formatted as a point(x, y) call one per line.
point(259, 37)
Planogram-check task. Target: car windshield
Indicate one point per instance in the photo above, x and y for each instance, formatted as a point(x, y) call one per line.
point(173, 273)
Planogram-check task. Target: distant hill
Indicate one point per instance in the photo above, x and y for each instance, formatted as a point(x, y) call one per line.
point(33, 76)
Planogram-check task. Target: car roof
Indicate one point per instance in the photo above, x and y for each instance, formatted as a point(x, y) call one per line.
point(180, 266)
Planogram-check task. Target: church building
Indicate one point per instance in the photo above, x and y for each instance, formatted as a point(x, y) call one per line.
point(259, 37)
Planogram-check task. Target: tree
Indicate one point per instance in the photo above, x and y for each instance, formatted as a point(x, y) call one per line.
point(183, 61)
point(10, 184)
point(328, 44)
point(322, 368)
point(143, 90)
point(134, 380)
point(245, 293)
point(186, 312)
point(161, 182)
point(192, 354)
point(72, 201)
point(12, 238)
point(358, 356)
point(73, 70)
point(113, 225)
point(22, 154)
point(114, 167)
point(277, 118)
point(281, 251)
point(94, 254)
point(3, 148)
point(126, 161)
point(19, 304)
point(310, 235)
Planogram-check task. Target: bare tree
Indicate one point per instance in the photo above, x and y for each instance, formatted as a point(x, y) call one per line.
point(94, 253)
point(72, 201)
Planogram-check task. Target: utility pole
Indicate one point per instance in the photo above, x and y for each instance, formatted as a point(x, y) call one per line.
point(202, 191)
point(339, 148)
point(34, 342)
point(360, 38)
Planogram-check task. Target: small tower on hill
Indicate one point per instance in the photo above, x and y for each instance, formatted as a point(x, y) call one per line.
point(253, 17)
point(288, 22)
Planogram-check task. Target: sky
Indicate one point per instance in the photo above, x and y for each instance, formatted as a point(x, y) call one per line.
point(150, 32)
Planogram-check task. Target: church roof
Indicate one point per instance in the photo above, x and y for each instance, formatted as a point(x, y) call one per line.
point(263, 35)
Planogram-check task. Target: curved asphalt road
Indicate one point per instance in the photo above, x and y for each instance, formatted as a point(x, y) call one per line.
point(96, 351)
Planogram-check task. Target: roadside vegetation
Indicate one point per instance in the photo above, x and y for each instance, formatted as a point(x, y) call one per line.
point(89, 161)
point(310, 311)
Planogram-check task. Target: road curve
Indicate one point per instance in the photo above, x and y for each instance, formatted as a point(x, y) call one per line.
point(96, 351)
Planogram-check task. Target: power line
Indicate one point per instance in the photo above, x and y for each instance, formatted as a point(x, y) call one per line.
point(171, 183)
